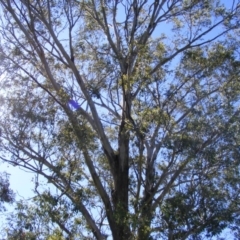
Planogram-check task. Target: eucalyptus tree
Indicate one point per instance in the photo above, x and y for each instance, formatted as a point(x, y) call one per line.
point(130, 109)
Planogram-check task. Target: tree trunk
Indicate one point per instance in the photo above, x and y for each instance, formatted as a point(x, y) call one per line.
point(146, 213)
point(121, 182)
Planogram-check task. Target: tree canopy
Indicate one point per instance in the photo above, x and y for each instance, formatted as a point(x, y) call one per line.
point(129, 109)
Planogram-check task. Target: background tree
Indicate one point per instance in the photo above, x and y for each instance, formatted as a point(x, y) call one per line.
point(45, 217)
point(6, 194)
point(130, 109)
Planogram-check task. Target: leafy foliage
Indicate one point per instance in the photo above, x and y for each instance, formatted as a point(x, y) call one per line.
point(6, 194)
point(129, 110)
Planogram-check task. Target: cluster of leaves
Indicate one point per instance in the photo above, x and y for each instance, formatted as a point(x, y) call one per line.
point(40, 219)
point(6, 194)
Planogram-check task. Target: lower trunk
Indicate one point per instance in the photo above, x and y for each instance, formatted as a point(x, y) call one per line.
point(146, 212)
point(120, 203)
